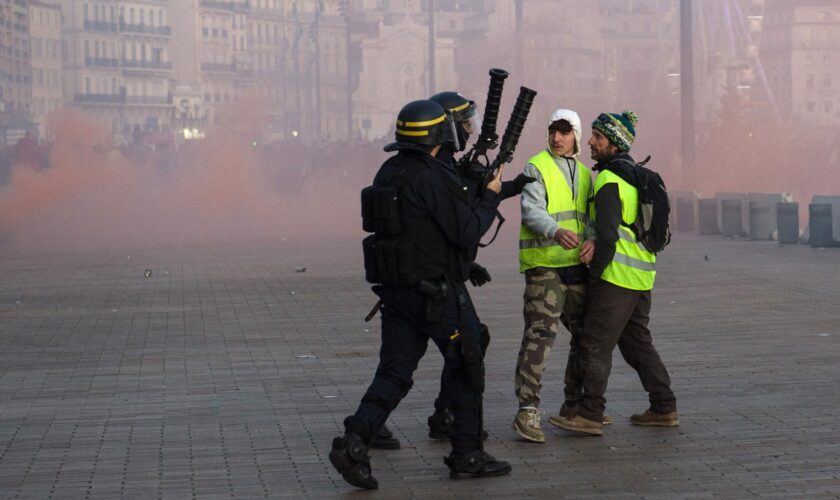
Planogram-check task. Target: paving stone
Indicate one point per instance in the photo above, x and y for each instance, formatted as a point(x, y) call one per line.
point(216, 381)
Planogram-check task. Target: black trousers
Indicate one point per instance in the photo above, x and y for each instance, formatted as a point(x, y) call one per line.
point(616, 315)
point(405, 336)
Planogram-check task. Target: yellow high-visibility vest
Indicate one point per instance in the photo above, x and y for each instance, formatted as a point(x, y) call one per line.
point(567, 208)
point(632, 265)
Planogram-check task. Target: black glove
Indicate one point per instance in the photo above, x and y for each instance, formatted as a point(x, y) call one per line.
point(478, 275)
point(515, 187)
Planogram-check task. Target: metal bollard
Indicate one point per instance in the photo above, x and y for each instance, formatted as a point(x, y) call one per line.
point(787, 217)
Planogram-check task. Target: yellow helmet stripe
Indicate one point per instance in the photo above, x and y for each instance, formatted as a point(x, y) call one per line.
point(413, 133)
point(421, 124)
point(461, 107)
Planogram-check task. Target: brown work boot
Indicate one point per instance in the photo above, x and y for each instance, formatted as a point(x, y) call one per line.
point(527, 425)
point(653, 419)
point(578, 424)
point(568, 412)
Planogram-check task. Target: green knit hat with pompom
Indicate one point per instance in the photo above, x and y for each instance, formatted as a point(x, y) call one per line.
point(619, 129)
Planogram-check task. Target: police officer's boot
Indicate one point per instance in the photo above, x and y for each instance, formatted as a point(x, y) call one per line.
point(439, 423)
point(384, 439)
point(476, 463)
point(349, 457)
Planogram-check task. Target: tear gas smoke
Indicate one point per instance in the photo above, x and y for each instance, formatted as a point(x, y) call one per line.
point(92, 195)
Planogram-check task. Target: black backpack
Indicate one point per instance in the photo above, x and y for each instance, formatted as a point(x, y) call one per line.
point(651, 226)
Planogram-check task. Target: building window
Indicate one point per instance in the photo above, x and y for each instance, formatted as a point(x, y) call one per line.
point(827, 81)
point(829, 107)
point(810, 105)
point(809, 81)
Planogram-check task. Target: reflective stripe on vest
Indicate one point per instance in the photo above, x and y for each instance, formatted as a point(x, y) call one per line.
point(570, 212)
point(632, 265)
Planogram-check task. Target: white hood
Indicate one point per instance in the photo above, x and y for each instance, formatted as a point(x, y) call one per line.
point(571, 117)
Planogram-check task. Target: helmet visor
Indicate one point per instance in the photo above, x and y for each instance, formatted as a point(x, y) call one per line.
point(472, 124)
point(449, 134)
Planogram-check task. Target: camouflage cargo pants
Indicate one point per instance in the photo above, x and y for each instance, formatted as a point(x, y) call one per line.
point(547, 298)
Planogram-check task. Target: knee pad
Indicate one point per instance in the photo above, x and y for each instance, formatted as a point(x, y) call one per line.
point(402, 384)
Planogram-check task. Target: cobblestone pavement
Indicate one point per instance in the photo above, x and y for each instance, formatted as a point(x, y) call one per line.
point(227, 372)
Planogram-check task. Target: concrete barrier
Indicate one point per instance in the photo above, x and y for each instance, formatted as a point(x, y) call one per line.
point(834, 201)
point(762, 214)
point(683, 211)
point(820, 224)
point(745, 211)
point(707, 220)
point(787, 220)
point(731, 218)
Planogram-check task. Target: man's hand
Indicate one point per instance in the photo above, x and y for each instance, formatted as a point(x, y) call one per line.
point(478, 275)
point(495, 185)
point(587, 251)
point(515, 187)
point(567, 239)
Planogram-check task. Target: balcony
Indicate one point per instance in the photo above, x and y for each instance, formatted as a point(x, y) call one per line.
point(231, 68)
point(101, 26)
point(219, 67)
point(149, 65)
point(100, 99)
point(144, 29)
point(225, 5)
point(101, 62)
point(149, 100)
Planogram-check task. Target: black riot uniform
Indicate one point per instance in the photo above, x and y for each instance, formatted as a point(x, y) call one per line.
point(466, 122)
point(421, 261)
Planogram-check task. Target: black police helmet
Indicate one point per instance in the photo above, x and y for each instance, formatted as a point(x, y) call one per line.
point(421, 122)
point(462, 110)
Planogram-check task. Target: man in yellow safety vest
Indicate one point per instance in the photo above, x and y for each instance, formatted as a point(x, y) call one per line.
point(554, 243)
point(622, 273)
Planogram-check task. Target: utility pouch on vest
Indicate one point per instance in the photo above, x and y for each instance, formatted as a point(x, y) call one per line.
point(381, 210)
point(435, 297)
point(573, 275)
point(389, 261)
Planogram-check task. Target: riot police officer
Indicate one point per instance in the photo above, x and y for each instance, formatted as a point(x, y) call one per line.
point(467, 121)
point(424, 228)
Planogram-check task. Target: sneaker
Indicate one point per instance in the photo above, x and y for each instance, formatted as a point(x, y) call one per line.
point(384, 440)
point(527, 425)
point(651, 418)
point(476, 463)
point(578, 424)
point(349, 457)
point(568, 412)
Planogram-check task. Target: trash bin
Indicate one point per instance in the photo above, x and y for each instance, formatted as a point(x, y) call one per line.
point(821, 225)
point(787, 215)
point(761, 221)
point(731, 219)
point(707, 216)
